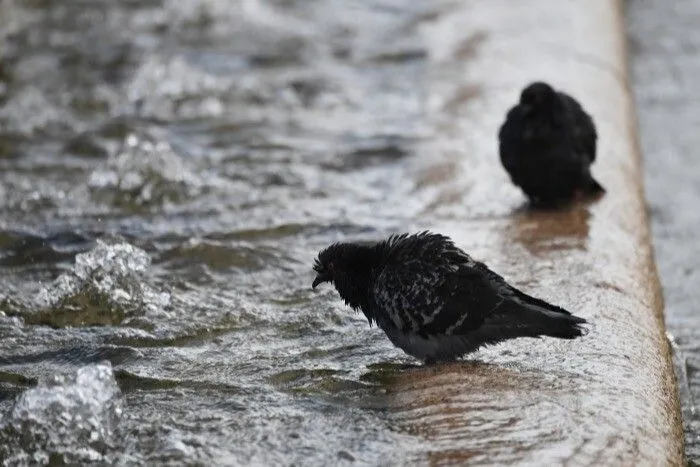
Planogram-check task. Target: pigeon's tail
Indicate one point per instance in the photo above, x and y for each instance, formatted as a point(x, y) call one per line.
point(545, 319)
point(526, 316)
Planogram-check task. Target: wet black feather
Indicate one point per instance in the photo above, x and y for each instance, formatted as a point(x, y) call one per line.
point(433, 300)
point(547, 145)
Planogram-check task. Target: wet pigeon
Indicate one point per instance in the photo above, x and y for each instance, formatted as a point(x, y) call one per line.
point(547, 145)
point(433, 300)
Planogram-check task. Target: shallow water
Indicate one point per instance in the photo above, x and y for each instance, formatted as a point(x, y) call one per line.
point(665, 45)
point(168, 172)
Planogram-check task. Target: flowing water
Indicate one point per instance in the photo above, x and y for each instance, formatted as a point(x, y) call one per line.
point(168, 171)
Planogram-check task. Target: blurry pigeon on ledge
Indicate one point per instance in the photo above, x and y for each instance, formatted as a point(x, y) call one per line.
point(547, 145)
point(433, 300)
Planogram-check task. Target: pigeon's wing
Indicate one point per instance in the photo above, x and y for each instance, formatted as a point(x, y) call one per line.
point(431, 300)
point(584, 131)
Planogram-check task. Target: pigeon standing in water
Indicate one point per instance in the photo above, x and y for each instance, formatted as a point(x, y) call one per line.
point(433, 300)
point(547, 145)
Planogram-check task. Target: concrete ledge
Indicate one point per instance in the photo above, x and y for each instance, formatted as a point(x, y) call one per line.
point(609, 398)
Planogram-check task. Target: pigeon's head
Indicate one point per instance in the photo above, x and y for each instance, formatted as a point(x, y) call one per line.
point(349, 267)
point(537, 94)
point(334, 264)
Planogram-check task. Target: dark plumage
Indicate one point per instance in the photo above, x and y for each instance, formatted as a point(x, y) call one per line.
point(433, 300)
point(547, 145)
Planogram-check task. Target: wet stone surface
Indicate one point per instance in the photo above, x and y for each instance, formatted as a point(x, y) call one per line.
point(169, 170)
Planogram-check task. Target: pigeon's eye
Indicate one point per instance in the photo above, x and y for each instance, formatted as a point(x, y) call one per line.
point(331, 266)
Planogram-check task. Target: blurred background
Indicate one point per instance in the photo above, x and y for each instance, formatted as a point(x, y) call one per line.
point(664, 47)
point(166, 168)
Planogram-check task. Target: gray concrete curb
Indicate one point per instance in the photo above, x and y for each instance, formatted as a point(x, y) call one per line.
point(609, 398)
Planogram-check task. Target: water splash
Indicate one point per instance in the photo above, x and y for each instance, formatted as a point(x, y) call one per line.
point(105, 287)
point(680, 361)
point(30, 111)
point(145, 172)
point(165, 87)
point(65, 419)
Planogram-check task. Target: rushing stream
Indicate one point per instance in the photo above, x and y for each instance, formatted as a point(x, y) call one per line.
point(168, 171)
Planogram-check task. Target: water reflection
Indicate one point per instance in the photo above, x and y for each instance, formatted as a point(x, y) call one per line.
point(477, 411)
point(541, 232)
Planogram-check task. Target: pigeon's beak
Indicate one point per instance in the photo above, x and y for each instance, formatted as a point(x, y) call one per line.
point(320, 278)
